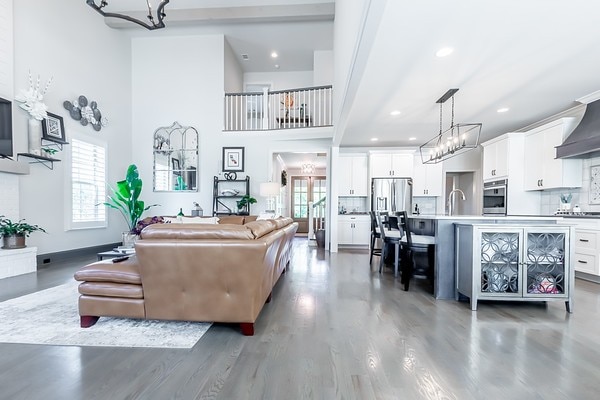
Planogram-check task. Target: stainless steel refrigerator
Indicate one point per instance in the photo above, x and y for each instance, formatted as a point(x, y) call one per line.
point(391, 195)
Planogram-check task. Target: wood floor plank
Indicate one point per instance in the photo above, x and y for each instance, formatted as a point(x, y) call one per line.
point(336, 329)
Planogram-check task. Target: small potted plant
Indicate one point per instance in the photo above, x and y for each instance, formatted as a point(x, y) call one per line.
point(14, 233)
point(244, 203)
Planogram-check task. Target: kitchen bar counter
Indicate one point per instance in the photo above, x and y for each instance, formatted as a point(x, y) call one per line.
point(444, 271)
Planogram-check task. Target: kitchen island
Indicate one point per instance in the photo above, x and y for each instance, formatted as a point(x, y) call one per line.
point(444, 286)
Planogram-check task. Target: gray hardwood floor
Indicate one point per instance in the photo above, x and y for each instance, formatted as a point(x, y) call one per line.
point(336, 329)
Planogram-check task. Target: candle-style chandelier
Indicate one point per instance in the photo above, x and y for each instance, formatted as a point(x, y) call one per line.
point(457, 139)
point(152, 22)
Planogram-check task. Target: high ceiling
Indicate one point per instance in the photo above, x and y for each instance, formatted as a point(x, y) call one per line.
point(534, 57)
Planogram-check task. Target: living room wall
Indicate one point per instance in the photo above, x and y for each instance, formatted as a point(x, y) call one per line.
point(190, 91)
point(69, 42)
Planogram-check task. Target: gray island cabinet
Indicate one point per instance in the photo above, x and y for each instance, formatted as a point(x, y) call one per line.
point(514, 262)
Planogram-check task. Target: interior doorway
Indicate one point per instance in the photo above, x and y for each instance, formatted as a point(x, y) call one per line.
point(464, 181)
point(307, 190)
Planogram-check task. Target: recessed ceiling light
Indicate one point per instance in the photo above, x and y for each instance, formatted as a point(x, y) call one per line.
point(395, 112)
point(444, 51)
point(412, 138)
point(374, 139)
point(274, 54)
point(276, 66)
point(503, 109)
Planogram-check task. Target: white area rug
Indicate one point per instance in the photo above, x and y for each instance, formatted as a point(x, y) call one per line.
point(51, 317)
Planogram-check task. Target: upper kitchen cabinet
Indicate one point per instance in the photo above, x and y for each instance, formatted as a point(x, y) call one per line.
point(495, 159)
point(427, 179)
point(542, 169)
point(391, 165)
point(353, 175)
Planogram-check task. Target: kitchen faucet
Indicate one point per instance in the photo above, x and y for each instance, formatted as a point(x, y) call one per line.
point(451, 199)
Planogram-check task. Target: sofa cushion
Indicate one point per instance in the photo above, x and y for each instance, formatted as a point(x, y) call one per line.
point(192, 220)
point(283, 221)
point(260, 228)
point(107, 271)
point(196, 232)
point(232, 219)
point(110, 289)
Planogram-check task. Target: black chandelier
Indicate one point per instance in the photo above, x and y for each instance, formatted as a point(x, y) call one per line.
point(456, 140)
point(160, 14)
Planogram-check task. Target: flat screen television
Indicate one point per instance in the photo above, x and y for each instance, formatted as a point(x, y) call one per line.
point(6, 133)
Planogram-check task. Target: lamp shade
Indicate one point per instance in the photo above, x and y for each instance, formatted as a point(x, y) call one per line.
point(268, 189)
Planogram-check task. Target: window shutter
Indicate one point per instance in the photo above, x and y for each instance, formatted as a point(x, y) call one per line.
point(88, 180)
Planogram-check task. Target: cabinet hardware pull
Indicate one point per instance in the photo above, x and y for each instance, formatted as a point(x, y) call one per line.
point(582, 262)
point(583, 240)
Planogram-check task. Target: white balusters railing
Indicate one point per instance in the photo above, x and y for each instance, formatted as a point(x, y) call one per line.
point(294, 108)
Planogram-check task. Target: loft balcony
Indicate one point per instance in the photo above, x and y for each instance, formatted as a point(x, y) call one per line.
point(279, 110)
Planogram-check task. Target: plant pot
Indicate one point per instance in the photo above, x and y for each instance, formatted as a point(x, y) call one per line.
point(129, 239)
point(13, 242)
point(320, 236)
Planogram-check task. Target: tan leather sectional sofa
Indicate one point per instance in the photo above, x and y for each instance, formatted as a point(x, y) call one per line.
point(191, 272)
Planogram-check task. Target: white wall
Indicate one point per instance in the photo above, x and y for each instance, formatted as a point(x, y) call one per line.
point(280, 80)
point(323, 68)
point(234, 76)
point(191, 95)
point(66, 40)
point(6, 49)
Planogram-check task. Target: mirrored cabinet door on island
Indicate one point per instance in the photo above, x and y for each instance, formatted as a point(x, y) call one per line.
point(176, 158)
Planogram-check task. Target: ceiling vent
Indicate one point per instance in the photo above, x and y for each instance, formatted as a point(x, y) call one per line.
point(245, 57)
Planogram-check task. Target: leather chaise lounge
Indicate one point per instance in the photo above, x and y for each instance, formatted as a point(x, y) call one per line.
point(191, 272)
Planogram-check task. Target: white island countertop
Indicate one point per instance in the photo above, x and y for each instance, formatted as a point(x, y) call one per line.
point(489, 217)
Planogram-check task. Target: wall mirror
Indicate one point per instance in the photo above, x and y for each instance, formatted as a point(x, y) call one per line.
point(176, 158)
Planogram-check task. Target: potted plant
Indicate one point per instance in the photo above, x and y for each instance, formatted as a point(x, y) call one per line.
point(243, 204)
point(14, 233)
point(125, 199)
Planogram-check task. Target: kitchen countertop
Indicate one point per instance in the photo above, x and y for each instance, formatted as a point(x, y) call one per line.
point(490, 217)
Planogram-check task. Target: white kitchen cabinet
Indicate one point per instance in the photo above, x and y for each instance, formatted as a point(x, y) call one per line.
point(353, 175)
point(354, 229)
point(515, 263)
point(391, 165)
point(427, 178)
point(586, 251)
point(542, 169)
point(495, 159)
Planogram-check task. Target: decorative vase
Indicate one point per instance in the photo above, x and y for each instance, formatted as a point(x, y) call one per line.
point(129, 239)
point(34, 135)
point(13, 241)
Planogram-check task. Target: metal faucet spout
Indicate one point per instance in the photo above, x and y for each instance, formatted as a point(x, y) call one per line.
point(451, 199)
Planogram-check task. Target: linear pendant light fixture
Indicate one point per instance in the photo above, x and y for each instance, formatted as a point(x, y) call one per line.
point(457, 139)
point(160, 14)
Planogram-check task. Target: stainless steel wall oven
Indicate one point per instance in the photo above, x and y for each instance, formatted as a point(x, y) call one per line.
point(494, 197)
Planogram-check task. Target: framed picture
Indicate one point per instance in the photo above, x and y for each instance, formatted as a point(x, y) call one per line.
point(176, 166)
point(53, 128)
point(233, 159)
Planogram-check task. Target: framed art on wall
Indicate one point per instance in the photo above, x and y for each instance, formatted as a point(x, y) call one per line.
point(53, 128)
point(233, 159)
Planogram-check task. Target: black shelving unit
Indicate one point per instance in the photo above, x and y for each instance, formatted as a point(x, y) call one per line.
point(226, 204)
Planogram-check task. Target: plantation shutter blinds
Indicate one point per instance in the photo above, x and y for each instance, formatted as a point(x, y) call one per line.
point(88, 177)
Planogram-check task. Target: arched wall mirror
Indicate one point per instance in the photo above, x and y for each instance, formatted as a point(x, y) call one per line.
point(176, 158)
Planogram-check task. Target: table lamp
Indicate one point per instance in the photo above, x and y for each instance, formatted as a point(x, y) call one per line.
point(270, 190)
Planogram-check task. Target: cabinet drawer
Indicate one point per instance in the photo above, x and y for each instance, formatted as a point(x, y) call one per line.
point(585, 239)
point(585, 263)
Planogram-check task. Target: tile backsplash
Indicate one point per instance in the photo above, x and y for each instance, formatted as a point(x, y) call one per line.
point(352, 204)
point(550, 199)
point(427, 205)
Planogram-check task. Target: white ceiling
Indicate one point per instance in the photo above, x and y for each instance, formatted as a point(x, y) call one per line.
point(535, 57)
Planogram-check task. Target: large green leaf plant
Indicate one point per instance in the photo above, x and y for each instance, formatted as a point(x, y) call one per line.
point(125, 198)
